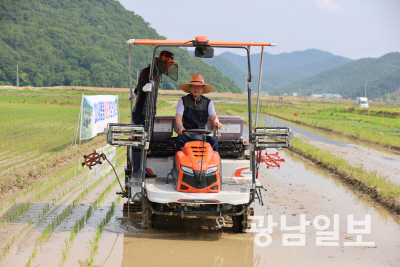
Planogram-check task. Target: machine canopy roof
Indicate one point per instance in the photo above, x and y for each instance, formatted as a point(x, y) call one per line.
point(193, 42)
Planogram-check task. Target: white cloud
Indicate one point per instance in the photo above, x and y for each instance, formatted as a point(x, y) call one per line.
point(329, 5)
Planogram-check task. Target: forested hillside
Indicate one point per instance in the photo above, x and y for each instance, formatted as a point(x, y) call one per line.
point(82, 43)
point(381, 74)
point(383, 86)
point(237, 75)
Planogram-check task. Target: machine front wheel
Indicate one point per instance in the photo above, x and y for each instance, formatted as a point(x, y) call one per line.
point(243, 222)
point(147, 216)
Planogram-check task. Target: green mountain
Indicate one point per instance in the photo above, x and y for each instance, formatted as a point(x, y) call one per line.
point(381, 75)
point(228, 69)
point(285, 68)
point(382, 86)
point(82, 43)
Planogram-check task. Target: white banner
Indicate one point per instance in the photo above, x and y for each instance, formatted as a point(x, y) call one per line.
point(96, 112)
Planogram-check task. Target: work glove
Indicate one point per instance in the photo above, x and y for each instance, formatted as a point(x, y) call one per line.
point(147, 87)
point(130, 95)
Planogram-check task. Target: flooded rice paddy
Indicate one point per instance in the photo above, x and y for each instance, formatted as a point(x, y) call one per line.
point(297, 191)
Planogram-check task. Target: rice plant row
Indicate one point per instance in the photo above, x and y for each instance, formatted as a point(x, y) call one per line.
point(55, 222)
point(52, 187)
point(70, 169)
point(80, 224)
point(72, 187)
point(37, 185)
point(7, 247)
point(47, 207)
point(21, 209)
point(25, 207)
point(95, 242)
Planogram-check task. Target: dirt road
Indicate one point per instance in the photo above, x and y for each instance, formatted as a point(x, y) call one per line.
point(297, 189)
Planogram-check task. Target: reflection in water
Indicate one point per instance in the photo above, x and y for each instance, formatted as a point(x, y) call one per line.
point(310, 134)
point(297, 188)
point(296, 172)
point(187, 242)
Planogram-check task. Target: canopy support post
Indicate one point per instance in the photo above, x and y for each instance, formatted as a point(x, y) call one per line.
point(130, 80)
point(259, 83)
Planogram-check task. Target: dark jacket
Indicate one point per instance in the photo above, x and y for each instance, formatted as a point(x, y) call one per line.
point(140, 103)
point(195, 114)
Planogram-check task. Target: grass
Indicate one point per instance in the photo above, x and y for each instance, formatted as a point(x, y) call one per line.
point(377, 186)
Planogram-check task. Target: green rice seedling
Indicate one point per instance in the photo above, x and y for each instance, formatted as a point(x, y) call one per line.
point(35, 186)
point(7, 247)
point(89, 213)
point(50, 227)
point(95, 242)
point(20, 210)
point(80, 223)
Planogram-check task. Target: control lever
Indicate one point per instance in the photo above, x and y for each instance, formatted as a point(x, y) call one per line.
point(217, 134)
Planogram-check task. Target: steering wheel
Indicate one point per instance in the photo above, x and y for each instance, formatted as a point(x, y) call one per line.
point(197, 131)
point(196, 134)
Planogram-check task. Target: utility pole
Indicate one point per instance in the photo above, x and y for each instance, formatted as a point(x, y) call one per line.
point(17, 77)
point(365, 88)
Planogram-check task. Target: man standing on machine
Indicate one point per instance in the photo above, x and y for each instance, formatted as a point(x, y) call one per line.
point(164, 64)
point(194, 110)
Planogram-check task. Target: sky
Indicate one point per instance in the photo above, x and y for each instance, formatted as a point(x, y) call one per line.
point(350, 28)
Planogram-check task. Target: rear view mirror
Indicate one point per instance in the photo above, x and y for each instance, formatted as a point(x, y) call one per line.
point(204, 52)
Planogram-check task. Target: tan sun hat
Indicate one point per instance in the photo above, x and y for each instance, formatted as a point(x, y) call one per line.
point(197, 79)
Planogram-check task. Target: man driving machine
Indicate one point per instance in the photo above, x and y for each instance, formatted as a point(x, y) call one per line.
point(194, 110)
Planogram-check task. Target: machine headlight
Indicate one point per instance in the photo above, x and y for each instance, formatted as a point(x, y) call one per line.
point(187, 170)
point(211, 170)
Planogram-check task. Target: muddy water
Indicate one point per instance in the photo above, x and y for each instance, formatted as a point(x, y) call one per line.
point(370, 157)
point(298, 189)
point(293, 190)
point(177, 242)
